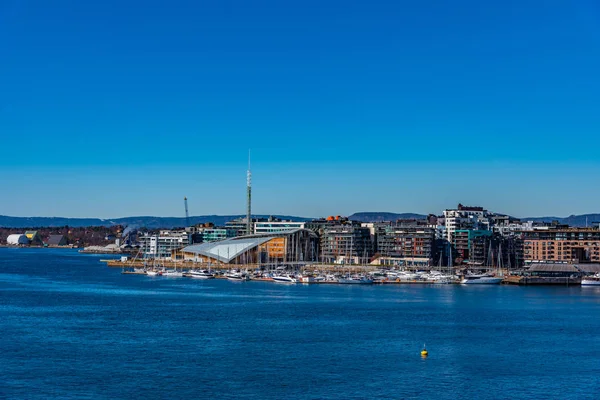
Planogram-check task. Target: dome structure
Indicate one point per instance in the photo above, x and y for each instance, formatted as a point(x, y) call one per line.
point(17, 239)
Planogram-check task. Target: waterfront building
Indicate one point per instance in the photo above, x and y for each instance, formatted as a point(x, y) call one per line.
point(318, 225)
point(346, 244)
point(466, 218)
point(472, 245)
point(577, 245)
point(560, 269)
point(56, 240)
point(34, 237)
point(162, 244)
point(401, 243)
point(295, 246)
point(17, 239)
point(506, 227)
point(213, 234)
point(240, 225)
point(275, 226)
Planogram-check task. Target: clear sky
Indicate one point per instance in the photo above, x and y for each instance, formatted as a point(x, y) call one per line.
point(120, 108)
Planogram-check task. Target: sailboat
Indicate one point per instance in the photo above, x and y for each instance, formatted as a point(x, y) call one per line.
point(438, 276)
point(153, 271)
point(482, 279)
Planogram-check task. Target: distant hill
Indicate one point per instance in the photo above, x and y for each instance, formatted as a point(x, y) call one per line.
point(139, 222)
point(219, 220)
point(383, 216)
point(572, 220)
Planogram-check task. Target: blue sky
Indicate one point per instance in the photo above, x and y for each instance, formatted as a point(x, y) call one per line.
point(123, 107)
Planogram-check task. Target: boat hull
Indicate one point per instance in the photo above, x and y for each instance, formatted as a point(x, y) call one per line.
point(284, 280)
point(238, 278)
point(173, 274)
point(482, 281)
point(355, 281)
point(590, 282)
point(200, 275)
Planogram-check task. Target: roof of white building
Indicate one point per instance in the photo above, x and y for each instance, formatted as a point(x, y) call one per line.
point(228, 249)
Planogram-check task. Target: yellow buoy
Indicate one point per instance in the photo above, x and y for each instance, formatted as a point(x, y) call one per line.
point(424, 352)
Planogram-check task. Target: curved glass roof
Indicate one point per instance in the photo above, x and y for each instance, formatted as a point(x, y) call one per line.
point(228, 249)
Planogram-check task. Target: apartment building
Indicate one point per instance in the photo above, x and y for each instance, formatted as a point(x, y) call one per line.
point(466, 218)
point(577, 245)
point(346, 244)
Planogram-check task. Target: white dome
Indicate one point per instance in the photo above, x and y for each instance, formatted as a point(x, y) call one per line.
point(17, 239)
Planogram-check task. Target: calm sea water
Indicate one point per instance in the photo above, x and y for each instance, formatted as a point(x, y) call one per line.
point(72, 328)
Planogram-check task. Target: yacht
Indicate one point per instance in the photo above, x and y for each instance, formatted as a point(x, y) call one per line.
point(204, 274)
point(284, 279)
point(481, 279)
point(172, 273)
point(438, 277)
point(408, 276)
point(593, 280)
point(237, 276)
point(355, 280)
point(152, 272)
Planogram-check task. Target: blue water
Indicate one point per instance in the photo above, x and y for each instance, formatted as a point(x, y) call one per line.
point(73, 328)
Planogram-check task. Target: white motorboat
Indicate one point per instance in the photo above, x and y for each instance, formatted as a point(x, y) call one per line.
point(438, 277)
point(408, 276)
point(152, 272)
point(284, 279)
point(355, 280)
point(204, 274)
point(593, 280)
point(172, 273)
point(482, 279)
point(237, 276)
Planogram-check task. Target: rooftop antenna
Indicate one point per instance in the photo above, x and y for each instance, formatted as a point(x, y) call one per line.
point(187, 214)
point(249, 198)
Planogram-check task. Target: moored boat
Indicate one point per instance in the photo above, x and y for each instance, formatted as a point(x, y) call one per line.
point(203, 274)
point(172, 273)
point(593, 280)
point(237, 276)
point(284, 279)
point(481, 279)
point(355, 280)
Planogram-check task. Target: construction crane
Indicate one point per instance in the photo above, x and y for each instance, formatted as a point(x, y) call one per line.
point(187, 214)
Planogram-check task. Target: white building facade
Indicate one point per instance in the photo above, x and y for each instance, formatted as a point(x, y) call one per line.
point(464, 217)
point(277, 226)
point(161, 245)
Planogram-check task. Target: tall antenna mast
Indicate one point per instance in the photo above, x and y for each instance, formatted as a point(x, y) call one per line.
point(187, 214)
point(249, 198)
